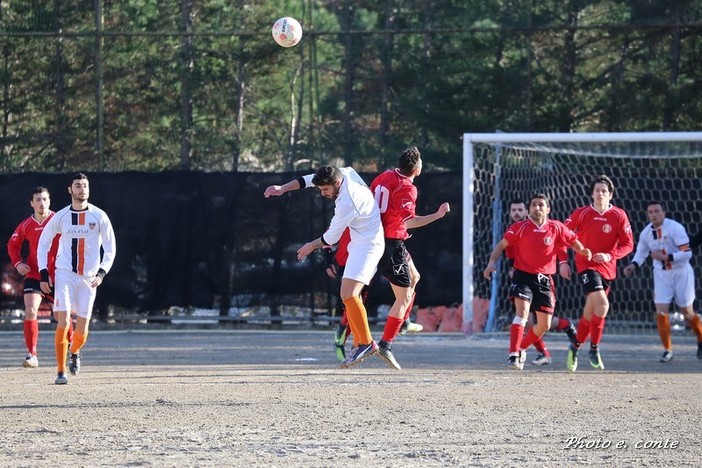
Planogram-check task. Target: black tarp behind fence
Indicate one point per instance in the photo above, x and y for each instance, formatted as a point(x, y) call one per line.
point(211, 240)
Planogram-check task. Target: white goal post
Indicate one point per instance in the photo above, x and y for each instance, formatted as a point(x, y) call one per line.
point(655, 162)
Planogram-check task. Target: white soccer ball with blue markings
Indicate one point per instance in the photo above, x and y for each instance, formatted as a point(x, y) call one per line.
point(287, 31)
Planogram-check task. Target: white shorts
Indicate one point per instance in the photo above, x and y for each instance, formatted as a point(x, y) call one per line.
point(363, 260)
point(73, 293)
point(676, 283)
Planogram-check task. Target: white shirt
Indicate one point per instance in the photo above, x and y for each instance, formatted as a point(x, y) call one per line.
point(671, 237)
point(355, 207)
point(83, 233)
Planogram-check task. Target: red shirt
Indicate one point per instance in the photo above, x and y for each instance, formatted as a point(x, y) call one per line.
point(535, 248)
point(29, 230)
point(396, 197)
point(608, 232)
point(342, 248)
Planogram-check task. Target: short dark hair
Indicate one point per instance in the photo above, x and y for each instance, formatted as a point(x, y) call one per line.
point(409, 160)
point(516, 201)
point(541, 196)
point(39, 189)
point(656, 202)
point(326, 175)
point(77, 176)
point(602, 179)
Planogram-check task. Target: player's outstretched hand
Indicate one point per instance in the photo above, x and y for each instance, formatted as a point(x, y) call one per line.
point(273, 191)
point(305, 250)
point(629, 270)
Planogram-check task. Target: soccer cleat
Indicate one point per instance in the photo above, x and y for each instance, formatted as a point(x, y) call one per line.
point(74, 364)
point(699, 351)
point(30, 361)
point(61, 379)
point(340, 352)
point(542, 360)
point(410, 327)
point(513, 362)
point(516, 361)
point(667, 356)
point(362, 352)
point(522, 359)
point(571, 332)
point(385, 353)
point(595, 359)
point(340, 335)
point(345, 363)
point(572, 361)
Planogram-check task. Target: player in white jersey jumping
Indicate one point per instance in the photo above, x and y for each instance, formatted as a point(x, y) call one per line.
point(673, 279)
point(84, 229)
point(356, 209)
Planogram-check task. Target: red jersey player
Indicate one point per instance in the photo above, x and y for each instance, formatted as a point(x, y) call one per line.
point(29, 231)
point(396, 196)
point(518, 212)
point(606, 231)
point(536, 242)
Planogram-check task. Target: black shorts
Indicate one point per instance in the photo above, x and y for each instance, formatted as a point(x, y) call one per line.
point(593, 281)
point(394, 265)
point(31, 285)
point(535, 289)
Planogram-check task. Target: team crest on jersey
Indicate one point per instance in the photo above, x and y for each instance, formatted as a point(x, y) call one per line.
point(91, 225)
point(606, 228)
point(548, 240)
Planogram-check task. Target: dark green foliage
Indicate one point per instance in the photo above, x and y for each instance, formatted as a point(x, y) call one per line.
point(212, 91)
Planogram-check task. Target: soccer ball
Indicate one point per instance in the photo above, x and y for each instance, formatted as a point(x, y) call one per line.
point(287, 32)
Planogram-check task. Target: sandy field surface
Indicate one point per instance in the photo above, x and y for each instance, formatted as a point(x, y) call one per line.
point(249, 398)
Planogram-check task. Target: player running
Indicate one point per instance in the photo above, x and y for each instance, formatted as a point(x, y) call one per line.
point(667, 242)
point(606, 231)
point(84, 229)
point(28, 231)
point(518, 212)
point(536, 242)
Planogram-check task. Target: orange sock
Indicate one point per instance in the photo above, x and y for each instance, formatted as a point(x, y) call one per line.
point(696, 327)
point(357, 313)
point(79, 340)
point(664, 331)
point(61, 343)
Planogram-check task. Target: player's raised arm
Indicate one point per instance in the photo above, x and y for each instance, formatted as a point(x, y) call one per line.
point(420, 221)
point(295, 184)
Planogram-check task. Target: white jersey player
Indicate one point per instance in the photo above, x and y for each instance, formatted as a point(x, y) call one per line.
point(673, 279)
point(356, 209)
point(80, 268)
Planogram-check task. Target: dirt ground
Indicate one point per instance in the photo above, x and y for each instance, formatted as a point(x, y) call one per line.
point(247, 398)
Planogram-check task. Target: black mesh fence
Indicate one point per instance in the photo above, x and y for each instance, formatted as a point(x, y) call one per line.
point(212, 241)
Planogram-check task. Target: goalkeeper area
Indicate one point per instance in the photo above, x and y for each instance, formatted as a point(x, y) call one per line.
point(645, 167)
point(236, 398)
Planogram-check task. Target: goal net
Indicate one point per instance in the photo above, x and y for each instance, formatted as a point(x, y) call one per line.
point(644, 167)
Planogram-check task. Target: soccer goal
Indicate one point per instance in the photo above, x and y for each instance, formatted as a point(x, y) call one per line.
point(499, 167)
